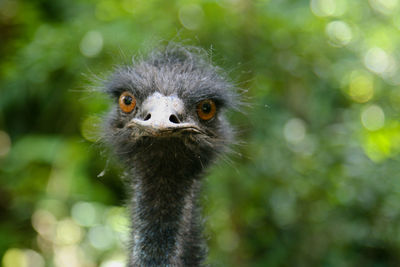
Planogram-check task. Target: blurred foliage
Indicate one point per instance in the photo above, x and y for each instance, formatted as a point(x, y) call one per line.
point(314, 179)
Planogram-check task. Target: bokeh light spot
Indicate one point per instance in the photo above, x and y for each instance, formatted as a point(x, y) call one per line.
point(294, 130)
point(361, 87)
point(323, 8)
point(339, 33)
point(22, 258)
point(113, 263)
point(14, 258)
point(306, 146)
point(384, 6)
point(68, 232)
point(191, 16)
point(376, 60)
point(91, 44)
point(384, 143)
point(33, 258)
point(68, 256)
point(118, 260)
point(90, 128)
point(118, 220)
point(373, 118)
point(84, 213)
point(44, 223)
point(5, 144)
point(101, 237)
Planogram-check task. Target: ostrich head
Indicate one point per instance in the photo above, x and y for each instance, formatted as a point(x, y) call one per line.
point(169, 107)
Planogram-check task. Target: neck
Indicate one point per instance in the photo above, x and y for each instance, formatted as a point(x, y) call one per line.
point(166, 229)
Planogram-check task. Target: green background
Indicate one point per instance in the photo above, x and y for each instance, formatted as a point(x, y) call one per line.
point(314, 179)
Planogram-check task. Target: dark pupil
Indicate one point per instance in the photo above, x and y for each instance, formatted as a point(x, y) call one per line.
point(206, 108)
point(127, 100)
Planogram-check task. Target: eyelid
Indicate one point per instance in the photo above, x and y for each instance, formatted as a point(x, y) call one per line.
point(119, 89)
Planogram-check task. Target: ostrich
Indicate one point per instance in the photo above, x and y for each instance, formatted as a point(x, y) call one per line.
point(167, 126)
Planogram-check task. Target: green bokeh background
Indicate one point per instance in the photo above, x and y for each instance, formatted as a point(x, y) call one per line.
point(314, 179)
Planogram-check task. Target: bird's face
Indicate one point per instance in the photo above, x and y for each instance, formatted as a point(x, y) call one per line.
point(166, 123)
point(165, 108)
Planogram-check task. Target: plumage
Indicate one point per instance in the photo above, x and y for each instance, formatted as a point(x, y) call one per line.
point(166, 143)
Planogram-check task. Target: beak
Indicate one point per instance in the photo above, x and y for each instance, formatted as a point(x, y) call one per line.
point(162, 116)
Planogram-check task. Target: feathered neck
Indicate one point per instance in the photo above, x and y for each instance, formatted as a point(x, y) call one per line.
point(165, 215)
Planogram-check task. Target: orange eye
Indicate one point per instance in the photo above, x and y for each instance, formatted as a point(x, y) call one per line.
point(127, 102)
point(206, 109)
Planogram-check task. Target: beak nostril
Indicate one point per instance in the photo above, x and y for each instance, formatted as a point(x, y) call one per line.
point(174, 119)
point(148, 116)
